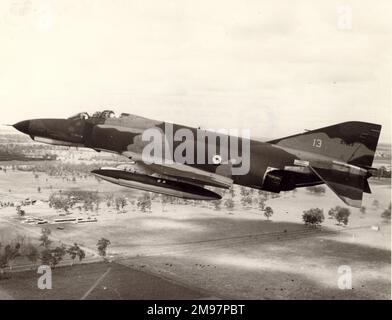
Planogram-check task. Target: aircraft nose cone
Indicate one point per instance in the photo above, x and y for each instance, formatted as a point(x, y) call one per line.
point(22, 126)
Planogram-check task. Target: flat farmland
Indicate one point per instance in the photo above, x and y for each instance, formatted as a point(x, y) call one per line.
point(235, 253)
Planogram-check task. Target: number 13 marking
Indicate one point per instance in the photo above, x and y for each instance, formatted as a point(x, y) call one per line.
point(317, 143)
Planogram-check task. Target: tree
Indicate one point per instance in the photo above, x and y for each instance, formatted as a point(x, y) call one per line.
point(382, 172)
point(20, 212)
point(217, 204)
point(31, 253)
point(44, 238)
point(102, 245)
point(144, 202)
point(165, 199)
point(232, 192)
point(46, 257)
point(229, 204)
point(262, 204)
point(313, 216)
point(246, 201)
point(342, 216)
point(246, 196)
point(75, 251)
point(244, 191)
point(333, 212)
point(8, 253)
point(58, 254)
point(52, 257)
point(4, 258)
point(14, 251)
point(268, 212)
point(120, 202)
point(81, 254)
point(387, 213)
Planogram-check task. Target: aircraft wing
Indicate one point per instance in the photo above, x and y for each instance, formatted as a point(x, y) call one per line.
point(185, 172)
point(190, 174)
point(346, 181)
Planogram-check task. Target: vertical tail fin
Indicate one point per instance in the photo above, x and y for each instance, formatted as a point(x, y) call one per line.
point(352, 142)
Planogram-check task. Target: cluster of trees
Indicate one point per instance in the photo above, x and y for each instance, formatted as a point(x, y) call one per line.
point(53, 256)
point(61, 169)
point(90, 201)
point(248, 198)
point(87, 200)
point(43, 252)
point(18, 148)
point(21, 152)
point(315, 216)
point(5, 204)
point(119, 202)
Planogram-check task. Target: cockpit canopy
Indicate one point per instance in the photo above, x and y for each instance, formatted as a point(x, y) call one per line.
point(81, 115)
point(96, 115)
point(104, 114)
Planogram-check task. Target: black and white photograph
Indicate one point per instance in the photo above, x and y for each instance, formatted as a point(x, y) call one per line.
point(208, 151)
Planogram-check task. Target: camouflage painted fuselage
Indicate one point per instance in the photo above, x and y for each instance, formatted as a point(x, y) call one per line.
point(340, 155)
point(124, 136)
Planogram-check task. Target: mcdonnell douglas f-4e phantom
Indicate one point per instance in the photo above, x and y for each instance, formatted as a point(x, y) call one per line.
point(340, 155)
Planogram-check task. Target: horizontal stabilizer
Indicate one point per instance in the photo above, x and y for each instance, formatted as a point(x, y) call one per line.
point(346, 181)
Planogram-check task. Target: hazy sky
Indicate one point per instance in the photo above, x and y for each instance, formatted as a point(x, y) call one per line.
point(275, 67)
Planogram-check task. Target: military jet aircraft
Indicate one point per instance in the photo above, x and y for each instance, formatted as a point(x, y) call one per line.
point(339, 156)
